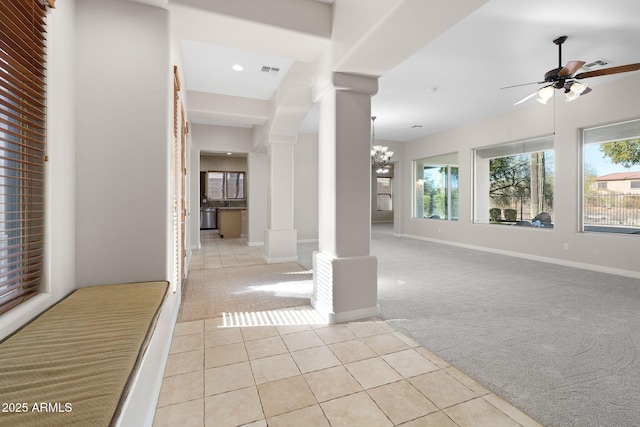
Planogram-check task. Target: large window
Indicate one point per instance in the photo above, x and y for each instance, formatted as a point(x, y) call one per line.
point(22, 149)
point(611, 178)
point(225, 185)
point(436, 189)
point(514, 183)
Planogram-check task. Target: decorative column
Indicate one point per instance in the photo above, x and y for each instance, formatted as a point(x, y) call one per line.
point(345, 275)
point(280, 238)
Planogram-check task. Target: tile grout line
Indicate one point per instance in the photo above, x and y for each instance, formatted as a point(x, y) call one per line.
point(255, 383)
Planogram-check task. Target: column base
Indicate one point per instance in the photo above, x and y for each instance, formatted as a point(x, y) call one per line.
point(345, 289)
point(280, 246)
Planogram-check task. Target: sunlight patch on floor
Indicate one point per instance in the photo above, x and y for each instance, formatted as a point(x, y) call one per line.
point(271, 318)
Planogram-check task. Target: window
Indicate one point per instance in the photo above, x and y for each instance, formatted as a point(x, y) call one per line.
point(384, 194)
point(234, 185)
point(611, 178)
point(225, 185)
point(22, 149)
point(436, 189)
point(514, 183)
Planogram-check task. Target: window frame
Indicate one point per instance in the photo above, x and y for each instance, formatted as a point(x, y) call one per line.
point(598, 219)
point(389, 193)
point(225, 185)
point(439, 161)
point(482, 158)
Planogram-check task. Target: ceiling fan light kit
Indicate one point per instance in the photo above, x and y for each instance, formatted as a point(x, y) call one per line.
point(545, 94)
point(565, 78)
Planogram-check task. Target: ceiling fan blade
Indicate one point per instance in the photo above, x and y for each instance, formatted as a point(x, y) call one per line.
point(531, 95)
point(607, 71)
point(523, 84)
point(571, 67)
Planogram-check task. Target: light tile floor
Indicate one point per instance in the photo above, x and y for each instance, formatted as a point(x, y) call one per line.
point(362, 373)
point(217, 253)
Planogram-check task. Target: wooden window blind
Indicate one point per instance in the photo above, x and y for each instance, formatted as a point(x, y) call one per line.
point(22, 149)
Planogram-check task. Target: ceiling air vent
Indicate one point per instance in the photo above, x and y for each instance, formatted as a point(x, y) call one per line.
point(596, 64)
point(270, 70)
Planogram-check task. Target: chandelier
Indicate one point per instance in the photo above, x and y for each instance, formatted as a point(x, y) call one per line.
point(380, 156)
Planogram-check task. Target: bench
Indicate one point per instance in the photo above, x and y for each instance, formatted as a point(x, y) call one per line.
point(74, 363)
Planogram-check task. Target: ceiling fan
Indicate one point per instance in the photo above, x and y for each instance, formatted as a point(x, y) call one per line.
point(566, 79)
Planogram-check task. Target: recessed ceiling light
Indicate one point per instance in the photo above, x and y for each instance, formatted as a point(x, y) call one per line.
point(237, 67)
point(228, 154)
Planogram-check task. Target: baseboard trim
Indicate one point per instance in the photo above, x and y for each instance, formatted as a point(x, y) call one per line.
point(280, 260)
point(562, 262)
point(346, 316)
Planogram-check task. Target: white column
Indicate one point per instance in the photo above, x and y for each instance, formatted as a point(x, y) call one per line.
point(280, 238)
point(345, 277)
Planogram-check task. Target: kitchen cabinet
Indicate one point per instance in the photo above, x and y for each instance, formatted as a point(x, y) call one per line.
point(230, 222)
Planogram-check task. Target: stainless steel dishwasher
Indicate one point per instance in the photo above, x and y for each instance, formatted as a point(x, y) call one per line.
point(208, 218)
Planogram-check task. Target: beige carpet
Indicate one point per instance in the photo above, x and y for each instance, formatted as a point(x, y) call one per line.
point(211, 292)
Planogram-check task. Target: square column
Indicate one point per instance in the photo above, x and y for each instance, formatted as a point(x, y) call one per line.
point(280, 238)
point(345, 275)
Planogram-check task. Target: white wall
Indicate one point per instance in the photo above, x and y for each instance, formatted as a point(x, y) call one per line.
point(608, 103)
point(305, 196)
point(221, 139)
point(256, 198)
point(124, 101)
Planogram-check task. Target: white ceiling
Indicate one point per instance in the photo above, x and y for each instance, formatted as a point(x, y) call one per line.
point(453, 80)
point(209, 69)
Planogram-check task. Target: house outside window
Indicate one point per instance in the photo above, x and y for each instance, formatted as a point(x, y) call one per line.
point(611, 179)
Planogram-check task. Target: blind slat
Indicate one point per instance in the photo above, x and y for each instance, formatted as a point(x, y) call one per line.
point(16, 120)
point(4, 142)
point(18, 95)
